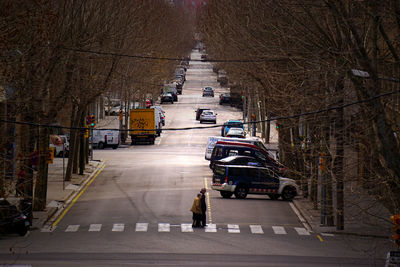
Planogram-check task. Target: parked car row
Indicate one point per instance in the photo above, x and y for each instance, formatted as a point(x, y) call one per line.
point(243, 166)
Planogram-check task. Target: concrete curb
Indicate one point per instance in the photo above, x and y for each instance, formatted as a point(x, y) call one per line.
point(317, 229)
point(53, 215)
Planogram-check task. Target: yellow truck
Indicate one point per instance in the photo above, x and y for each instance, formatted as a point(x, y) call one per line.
point(143, 125)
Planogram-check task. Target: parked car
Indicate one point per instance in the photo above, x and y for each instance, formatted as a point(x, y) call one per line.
point(167, 97)
point(240, 160)
point(242, 180)
point(114, 111)
point(208, 91)
point(231, 124)
point(171, 88)
point(161, 113)
point(199, 111)
point(12, 220)
point(222, 78)
point(208, 116)
point(204, 57)
point(223, 149)
point(236, 132)
point(225, 98)
point(212, 141)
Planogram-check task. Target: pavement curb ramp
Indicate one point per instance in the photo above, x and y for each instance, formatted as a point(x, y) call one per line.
point(55, 213)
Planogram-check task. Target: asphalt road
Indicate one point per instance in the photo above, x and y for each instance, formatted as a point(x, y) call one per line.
point(135, 212)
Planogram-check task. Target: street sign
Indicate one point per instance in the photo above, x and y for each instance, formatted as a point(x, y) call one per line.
point(34, 158)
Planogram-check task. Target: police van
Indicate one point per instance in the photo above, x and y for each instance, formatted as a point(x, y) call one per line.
point(243, 180)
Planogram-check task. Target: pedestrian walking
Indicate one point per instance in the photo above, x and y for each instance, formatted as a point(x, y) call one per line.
point(197, 212)
point(203, 207)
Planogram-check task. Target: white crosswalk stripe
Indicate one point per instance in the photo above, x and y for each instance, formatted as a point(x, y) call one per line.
point(186, 227)
point(118, 227)
point(211, 228)
point(72, 228)
point(279, 230)
point(164, 227)
point(95, 228)
point(301, 231)
point(256, 229)
point(233, 229)
point(141, 227)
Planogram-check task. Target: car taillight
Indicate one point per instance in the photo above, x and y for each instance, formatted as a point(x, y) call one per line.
point(226, 179)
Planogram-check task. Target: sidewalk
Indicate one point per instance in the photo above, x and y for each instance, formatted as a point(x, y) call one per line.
point(60, 194)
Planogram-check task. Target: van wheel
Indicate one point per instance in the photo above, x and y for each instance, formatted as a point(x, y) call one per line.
point(225, 194)
point(100, 145)
point(241, 192)
point(288, 193)
point(273, 196)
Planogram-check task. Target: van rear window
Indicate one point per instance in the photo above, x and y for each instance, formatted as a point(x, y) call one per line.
point(220, 170)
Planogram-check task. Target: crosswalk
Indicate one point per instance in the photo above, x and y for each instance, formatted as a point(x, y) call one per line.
point(184, 228)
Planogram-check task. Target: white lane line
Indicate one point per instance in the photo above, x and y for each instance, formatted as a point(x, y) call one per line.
point(327, 234)
point(256, 229)
point(164, 227)
point(118, 227)
point(186, 228)
point(301, 231)
point(211, 228)
point(141, 227)
point(279, 230)
point(301, 218)
point(95, 228)
point(233, 229)
point(72, 228)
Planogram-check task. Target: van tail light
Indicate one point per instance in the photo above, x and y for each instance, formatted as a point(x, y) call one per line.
point(226, 179)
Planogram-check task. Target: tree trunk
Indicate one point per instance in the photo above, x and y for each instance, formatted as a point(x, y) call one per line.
point(41, 180)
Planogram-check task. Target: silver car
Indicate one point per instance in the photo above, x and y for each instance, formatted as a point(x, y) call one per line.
point(208, 116)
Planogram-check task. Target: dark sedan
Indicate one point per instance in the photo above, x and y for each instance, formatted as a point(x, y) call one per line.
point(224, 98)
point(240, 160)
point(167, 97)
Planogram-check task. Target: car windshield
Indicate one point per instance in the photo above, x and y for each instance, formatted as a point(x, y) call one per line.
point(208, 113)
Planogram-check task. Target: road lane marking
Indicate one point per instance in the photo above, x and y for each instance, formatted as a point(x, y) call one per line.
point(327, 234)
point(164, 227)
point(208, 202)
point(279, 230)
point(211, 228)
point(72, 228)
point(301, 218)
point(95, 228)
point(118, 227)
point(256, 229)
point(301, 231)
point(233, 229)
point(77, 196)
point(320, 238)
point(142, 227)
point(186, 228)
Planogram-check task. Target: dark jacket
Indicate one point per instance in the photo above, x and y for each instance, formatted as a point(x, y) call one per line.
point(203, 203)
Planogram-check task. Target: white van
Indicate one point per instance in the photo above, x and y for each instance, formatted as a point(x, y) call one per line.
point(212, 140)
point(105, 138)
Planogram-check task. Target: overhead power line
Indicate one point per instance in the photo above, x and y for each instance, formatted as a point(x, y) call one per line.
point(255, 60)
point(213, 126)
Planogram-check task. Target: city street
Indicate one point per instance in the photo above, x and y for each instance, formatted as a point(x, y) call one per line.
point(136, 212)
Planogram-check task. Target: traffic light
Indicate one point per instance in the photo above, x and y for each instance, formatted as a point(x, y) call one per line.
point(91, 121)
point(396, 229)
